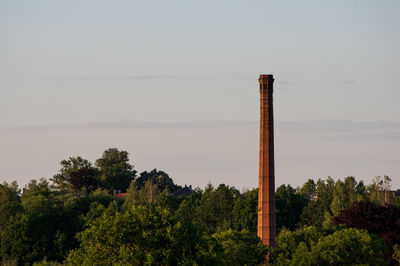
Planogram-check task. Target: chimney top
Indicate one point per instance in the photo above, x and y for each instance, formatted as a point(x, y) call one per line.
point(266, 76)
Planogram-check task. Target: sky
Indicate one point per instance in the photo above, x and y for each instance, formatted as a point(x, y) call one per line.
point(174, 83)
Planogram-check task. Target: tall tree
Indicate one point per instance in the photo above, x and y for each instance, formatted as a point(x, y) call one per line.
point(308, 190)
point(149, 193)
point(9, 192)
point(380, 191)
point(37, 196)
point(319, 207)
point(346, 193)
point(187, 208)
point(76, 174)
point(158, 178)
point(132, 195)
point(241, 248)
point(116, 172)
point(289, 206)
point(215, 209)
point(10, 201)
point(245, 211)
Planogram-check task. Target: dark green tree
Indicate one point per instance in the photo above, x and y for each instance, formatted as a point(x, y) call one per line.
point(328, 246)
point(116, 172)
point(313, 214)
point(10, 201)
point(8, 210)
point(9, 192)
point(346, 193)
point(289, 206)
point(215, 210)
point(37, 196)
point(158, 178)
point(76, 174)
point(346, 247)
point(241, 248)
point(20, 241)
point(396, 254)
point(44, 224)
point(187, 207)
point(30, 237)
point(143, 235)
point(308, 190)
point(379, 192)
point(245, 211)
point(318, 208)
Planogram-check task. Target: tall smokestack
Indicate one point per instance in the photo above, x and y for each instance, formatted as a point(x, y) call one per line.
point(266, 228)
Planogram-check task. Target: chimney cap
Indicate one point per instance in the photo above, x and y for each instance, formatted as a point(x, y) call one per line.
point(266, 76)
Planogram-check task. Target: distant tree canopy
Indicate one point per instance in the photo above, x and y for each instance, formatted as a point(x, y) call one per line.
point(143, 235)
point(383, 221)
point(214, 210)
point(41, 224)
point(74, 218)
point(245, 211)
point(289, 206)
point(329, 198)
point(159, 178)
point(76, 174)
point(115, 171)
point(111, 172)
point(9, 192)
point(150, 235)
point(328, 246)
point(241, 248)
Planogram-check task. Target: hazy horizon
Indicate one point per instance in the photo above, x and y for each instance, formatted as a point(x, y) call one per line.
point(216, 151)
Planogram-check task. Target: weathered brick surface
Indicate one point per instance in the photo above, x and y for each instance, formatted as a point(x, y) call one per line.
point(266, 228)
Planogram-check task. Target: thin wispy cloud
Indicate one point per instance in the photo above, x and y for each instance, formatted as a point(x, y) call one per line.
point(285, 82)
point(340, 159)
point(103, 78)
point(150, 77)
point(346, 82)
point(342, 130)
point(140, 125)
point(382, 136)
point(136, 77)
point(318, 130)
point(338, 125)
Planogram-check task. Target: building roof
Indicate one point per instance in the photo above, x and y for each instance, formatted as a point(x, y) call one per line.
point(183, 192)
point(120, 195)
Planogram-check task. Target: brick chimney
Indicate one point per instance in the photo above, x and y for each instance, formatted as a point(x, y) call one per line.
point(266, 227)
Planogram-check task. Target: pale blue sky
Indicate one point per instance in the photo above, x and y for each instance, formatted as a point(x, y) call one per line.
point(76, 77)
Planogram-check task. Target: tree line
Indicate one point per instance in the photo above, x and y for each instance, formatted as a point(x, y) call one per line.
point(73, 218)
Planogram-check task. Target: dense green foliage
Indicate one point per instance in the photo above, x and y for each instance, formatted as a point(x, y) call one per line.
point(143, 235)
point(328, 246)
point(76, 174)
point(289, 206)
point(159, 178)
point(74, 219)
point(396, 254)
point(115, 171)
point(241, 248)
point(383, 221)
